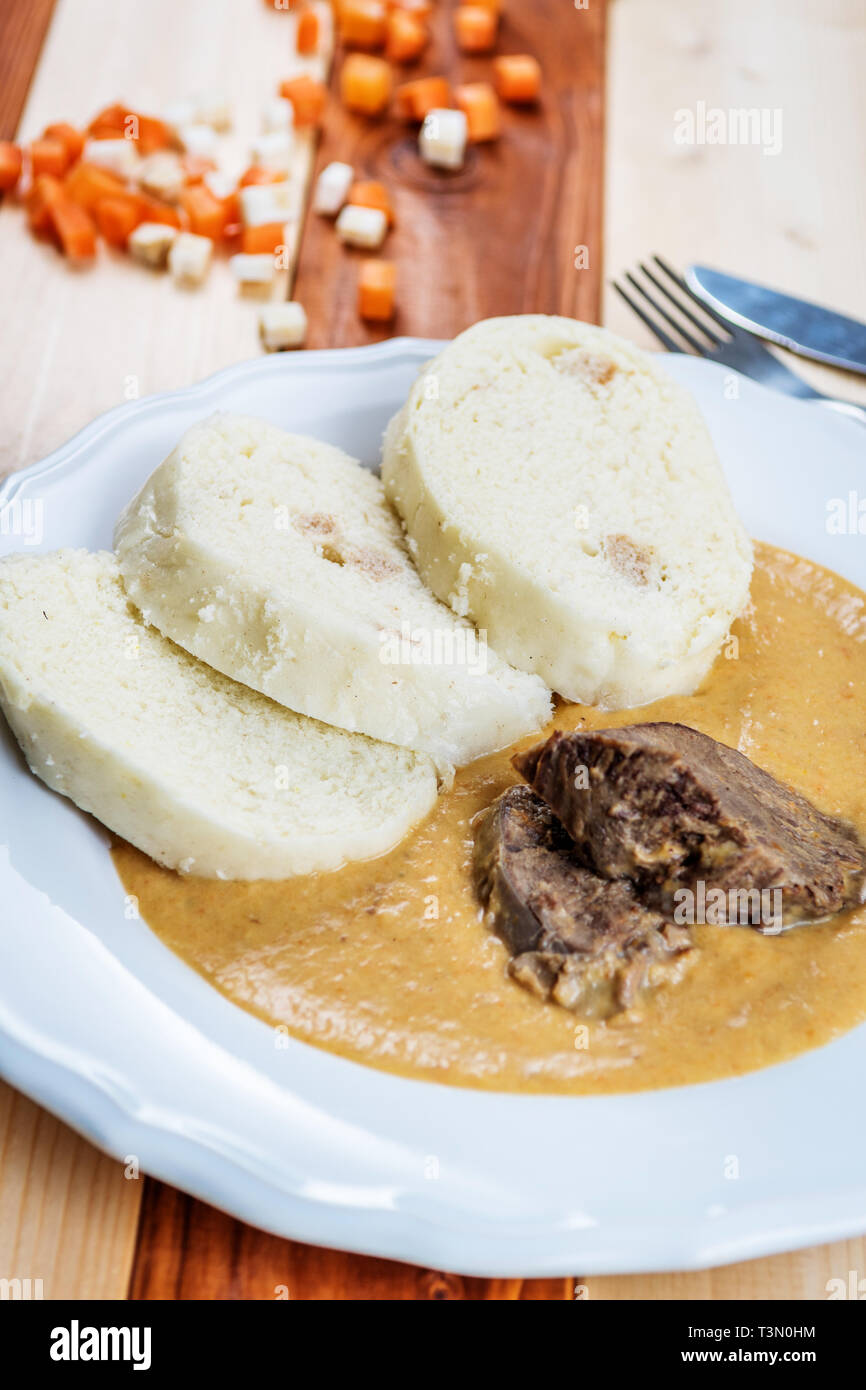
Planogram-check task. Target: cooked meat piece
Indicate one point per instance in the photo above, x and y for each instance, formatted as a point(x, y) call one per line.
point(669, 807)
point(580, 940)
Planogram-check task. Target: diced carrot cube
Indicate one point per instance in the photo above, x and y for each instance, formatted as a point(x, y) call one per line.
point(207, 215)
point(418, 9)
point(494, 5)
point(369, 193)
point(284, 5)
point(152, 210)
point(72, 139)
point(475, 28)
point(308, 32)
point(264, 239)
point(256, 174)
point(480, 105)
point(48, 157)
point(44, 191)
point(365, 84)
point(116, 218)
point(415, 99)
point(11, 161)
point(362, 23)
point(406, 37)
point(376, 284)
point(73, 227)
point(117, 121)
point(87, 183)
point(308, 98)
point(517, 77)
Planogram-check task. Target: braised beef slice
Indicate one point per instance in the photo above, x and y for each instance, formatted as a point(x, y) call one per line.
point(668, 807)
point(575, 938)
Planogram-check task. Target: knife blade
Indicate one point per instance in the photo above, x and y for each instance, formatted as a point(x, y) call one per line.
point(805, 328)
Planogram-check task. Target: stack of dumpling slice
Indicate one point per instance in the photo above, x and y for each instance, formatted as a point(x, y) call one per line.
point(258, 683)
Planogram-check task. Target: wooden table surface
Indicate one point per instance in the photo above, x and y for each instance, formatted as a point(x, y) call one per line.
point(501, 239)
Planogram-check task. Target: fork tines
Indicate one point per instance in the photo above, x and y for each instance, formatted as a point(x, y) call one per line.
point(696, 334)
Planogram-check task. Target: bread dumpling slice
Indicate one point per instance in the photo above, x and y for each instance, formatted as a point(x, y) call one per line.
point(276, 559)
point(202, 774)
point(563, 493)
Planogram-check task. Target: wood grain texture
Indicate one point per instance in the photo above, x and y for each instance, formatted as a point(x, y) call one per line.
point(68, 1215)
point(187, 1250)
point(498, 237)
point(22, 30)
point(79, 342)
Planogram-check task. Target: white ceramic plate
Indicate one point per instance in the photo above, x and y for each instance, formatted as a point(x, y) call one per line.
point(102, 1024)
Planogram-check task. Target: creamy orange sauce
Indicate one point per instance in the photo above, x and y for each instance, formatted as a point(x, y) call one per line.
point(388, 962)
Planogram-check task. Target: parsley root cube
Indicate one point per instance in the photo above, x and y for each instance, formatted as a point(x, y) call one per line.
point(11, 161)
point(253, 268)
point(369, 193)
point(376, 283)
point(364, 227)
point(283, 325)
point(189, 258)
point(307, 33)
point(150, 243)
point(415, 99)
point(362, 23)
point(332, 188)
point(308, 98)
point(475, 28)
point(480, 105)
point(517, 77)
point(365, 84)
point(442, 141)
point(405, 38)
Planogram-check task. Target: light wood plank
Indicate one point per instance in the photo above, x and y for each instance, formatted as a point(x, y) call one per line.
point(68, 1215)
point(796, 220)
point(87, 340)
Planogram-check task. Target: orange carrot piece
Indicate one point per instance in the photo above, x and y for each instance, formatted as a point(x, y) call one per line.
point(475, 28)
point(362, 23)
point(116, 218)
point(207, 215)
point(376, 284)
point(369, 193)
point(406, 37)
point(308, 98)
point(11, 160)
point(153, 210)
point(517, 77)
point(263, 240)
point(48, 157)
point(43, 192)
point(117, 121)
point(257, 174)
point(365, 84)
point(74, 228)
point(418, 9)
point(480, 105)
point(71, 139)
point(87, 183)
point(415, 99)
point(307, 34)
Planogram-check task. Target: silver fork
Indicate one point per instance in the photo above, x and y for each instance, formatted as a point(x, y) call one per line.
point(711, 336)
